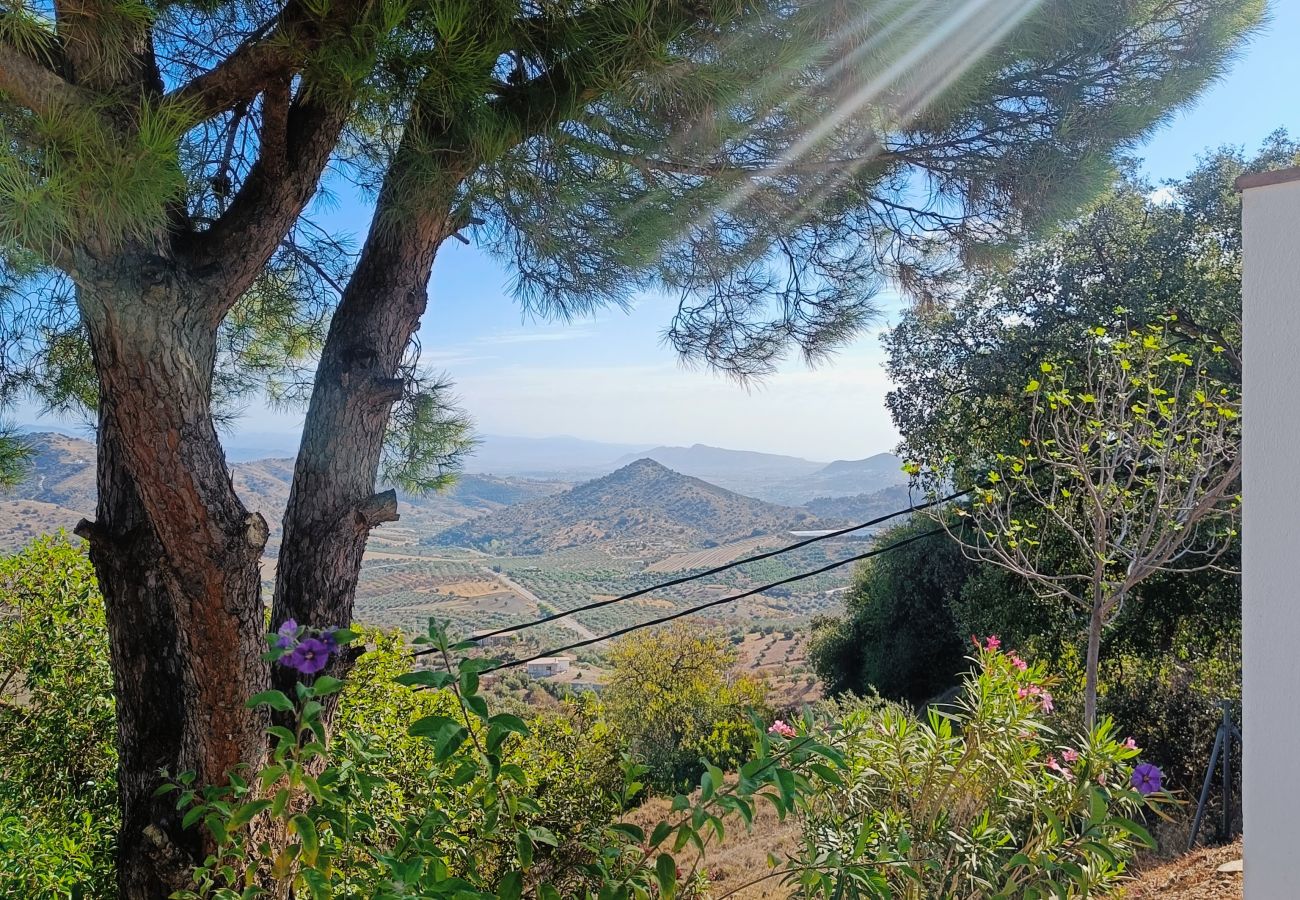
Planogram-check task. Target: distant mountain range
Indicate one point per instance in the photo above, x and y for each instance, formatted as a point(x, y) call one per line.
point(672, 497)
point(768, 476)
point(780, 479)
point(643, 502)
point(60, 489)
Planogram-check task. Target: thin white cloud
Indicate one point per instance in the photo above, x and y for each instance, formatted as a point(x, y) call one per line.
point(441, 359)
point(1165, 196)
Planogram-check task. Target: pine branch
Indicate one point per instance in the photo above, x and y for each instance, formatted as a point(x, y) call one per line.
point(35, 86)
point(273, 52)
point(296, 144)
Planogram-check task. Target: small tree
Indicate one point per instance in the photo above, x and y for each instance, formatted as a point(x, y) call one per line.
point(676, 696)
point(1132, 458)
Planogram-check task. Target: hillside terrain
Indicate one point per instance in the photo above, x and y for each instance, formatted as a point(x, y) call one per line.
point(642, 504)
point(861, 507)
point(495, 550)
point(60, 489)
point(842, 478)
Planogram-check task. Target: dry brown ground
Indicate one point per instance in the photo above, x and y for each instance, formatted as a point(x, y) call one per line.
point(735, 867)
point(1195, 876)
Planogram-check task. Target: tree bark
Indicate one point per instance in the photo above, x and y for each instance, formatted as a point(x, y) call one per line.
point(332, 502)
point(176, 554)
point(1092, 662)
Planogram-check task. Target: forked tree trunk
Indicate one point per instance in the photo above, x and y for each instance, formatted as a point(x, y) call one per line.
point(177, 558)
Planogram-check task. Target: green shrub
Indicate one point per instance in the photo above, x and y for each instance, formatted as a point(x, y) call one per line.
point(501, 832)
point(675, 699)
point(984, 799)
point(58, 813)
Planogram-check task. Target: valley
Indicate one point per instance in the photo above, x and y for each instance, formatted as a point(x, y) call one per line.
point(497, 550)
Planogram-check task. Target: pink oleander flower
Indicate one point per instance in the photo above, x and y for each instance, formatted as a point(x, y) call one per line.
point(1018, 662)
point(1130, 744)
point(993, 642)
point(1070, 756)
point(1046, 700)
point(781, 729)
point(1058, 768)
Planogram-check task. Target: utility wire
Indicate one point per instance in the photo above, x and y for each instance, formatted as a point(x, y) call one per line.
point(510, 629)
point(877, 551)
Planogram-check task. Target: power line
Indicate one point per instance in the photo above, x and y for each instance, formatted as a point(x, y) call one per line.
point(510, 629)
point(877, 551)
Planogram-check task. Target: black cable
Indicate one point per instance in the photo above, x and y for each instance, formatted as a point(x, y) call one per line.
point(510, 629)
point(877, 551)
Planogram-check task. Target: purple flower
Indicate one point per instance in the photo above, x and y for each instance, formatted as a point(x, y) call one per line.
point(287, 632)
point(1146, 778)
point(328, 638)
point(309, 657)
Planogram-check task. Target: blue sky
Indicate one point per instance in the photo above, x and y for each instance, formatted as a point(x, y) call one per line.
point(612, 379)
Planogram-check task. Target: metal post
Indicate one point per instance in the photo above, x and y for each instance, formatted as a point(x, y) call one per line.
point(1225, 818)
point(1205, 788)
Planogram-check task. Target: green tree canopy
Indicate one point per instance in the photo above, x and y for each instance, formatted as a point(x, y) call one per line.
point(897, 636)
point(1135, 255)
point(677, 698)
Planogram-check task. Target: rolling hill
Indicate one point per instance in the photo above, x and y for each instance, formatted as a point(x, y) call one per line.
point(642, 503)
point(842, 478)
point(60, 489)
point(861, 507)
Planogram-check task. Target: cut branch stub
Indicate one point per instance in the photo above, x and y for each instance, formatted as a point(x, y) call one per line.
point(89, 531)
point(256, 530)
point(387, 390)
point(379, 508)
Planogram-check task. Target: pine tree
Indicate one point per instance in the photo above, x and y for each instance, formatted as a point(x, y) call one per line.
point(771, 164)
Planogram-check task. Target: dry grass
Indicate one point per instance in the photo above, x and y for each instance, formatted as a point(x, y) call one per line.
point(1195, 876)
point(735, 866)
point(469, 588)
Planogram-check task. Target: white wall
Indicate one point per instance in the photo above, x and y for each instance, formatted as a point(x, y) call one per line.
point(1271, 532)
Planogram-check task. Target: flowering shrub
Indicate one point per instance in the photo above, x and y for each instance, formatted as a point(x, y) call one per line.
point(305, 824)
point(983, 799)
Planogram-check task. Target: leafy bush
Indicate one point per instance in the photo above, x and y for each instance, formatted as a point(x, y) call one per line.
point(674, 697)
point(982, 800)
point(487, 842)
point(58, 814)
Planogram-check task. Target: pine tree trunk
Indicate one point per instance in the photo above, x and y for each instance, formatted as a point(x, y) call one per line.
point(332, 502)
point(177, 559)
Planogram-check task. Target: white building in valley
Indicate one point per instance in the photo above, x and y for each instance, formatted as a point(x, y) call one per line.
point(548, 666)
